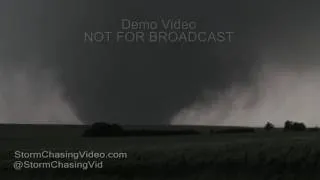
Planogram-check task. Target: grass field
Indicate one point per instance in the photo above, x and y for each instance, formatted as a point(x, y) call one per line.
point(262, 155)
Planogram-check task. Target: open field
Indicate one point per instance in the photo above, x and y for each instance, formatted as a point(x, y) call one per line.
point(261, 155)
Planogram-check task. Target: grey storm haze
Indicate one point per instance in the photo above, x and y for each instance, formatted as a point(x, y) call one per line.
point(269, 72)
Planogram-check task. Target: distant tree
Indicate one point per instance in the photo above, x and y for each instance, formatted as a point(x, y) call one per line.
point(103, 129)
point(294, 126)
point(288, 125)
point(269, 126)
point(297, 126)
point(115, 129)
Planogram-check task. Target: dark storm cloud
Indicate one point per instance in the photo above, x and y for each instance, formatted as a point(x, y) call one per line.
point(144, 83)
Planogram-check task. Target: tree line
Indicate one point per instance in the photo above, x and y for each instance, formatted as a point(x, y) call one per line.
point(111, 130)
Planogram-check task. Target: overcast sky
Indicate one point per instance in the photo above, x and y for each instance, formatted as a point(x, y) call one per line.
point(269, 72)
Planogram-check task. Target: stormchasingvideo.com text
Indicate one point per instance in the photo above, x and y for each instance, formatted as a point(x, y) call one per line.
point(47, 159)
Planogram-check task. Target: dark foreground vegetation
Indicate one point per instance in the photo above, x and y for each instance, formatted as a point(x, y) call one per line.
point(223, 154)
point(252, 156)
